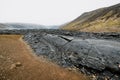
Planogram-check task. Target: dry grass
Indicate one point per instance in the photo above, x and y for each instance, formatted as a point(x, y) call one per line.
point(18, 63)
point(110, 25)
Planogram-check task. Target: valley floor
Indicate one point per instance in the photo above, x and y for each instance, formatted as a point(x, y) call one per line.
point(18, 63)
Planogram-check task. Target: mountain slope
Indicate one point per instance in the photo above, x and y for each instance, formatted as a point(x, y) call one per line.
point(3, 26)
point(10, 26)
point(25, 26)
point(101, 20)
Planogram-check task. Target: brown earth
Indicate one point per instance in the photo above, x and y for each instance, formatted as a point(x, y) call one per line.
point(18, 63)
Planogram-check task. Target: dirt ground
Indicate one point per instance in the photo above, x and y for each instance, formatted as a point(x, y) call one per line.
point(18, 63)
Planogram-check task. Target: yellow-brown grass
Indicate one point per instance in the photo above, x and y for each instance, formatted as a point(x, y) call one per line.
point(111, 25)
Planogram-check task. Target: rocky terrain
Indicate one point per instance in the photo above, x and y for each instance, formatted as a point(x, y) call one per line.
point(101, 20)
point(17, 62)
point(94, 54)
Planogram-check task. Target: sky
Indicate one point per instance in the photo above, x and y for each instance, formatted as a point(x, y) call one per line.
point(47, 12)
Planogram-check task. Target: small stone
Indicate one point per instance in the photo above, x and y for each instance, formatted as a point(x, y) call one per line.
point(15, 65)
point(70, 69)
point(93, 76)
point(106, 78)
point(18, 64)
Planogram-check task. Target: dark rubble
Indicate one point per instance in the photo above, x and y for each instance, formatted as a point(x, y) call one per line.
point(95, 54)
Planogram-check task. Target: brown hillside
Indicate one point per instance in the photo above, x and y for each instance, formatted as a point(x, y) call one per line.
point(101, 20)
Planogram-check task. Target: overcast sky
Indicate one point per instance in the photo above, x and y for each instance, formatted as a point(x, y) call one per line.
point(48, 12)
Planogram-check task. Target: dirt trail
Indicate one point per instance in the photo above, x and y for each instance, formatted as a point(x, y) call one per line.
point(18, 63)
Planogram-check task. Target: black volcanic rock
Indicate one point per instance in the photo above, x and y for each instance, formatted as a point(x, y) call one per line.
point(93, 53)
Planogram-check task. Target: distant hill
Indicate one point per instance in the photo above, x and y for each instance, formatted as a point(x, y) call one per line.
point(25, 26)
point(101, 20)
point(3, 26)
point(21, 26)
point(54, 27)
